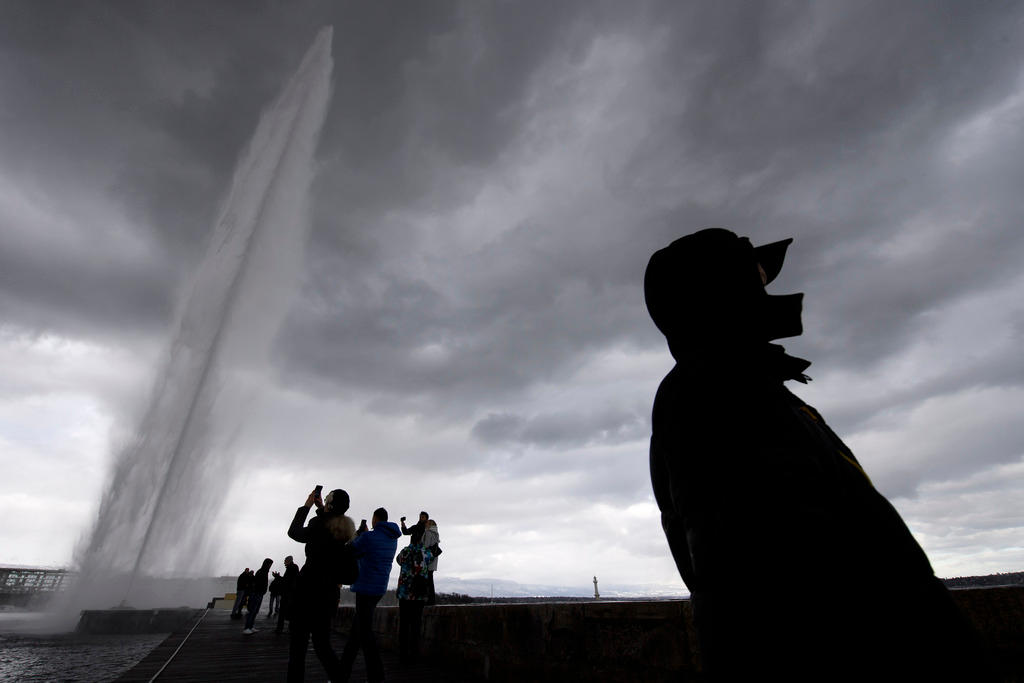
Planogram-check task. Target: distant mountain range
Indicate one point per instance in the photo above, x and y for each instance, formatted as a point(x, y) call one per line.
point(1007, 579)
point(503, 588)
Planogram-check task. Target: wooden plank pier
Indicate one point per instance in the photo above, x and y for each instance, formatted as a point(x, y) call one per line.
point(214, 649)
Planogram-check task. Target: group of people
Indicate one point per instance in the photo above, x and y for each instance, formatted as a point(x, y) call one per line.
point(744, 473)
point(337, 554)
point(252, 586)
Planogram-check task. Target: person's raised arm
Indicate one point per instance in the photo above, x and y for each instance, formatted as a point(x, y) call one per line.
point(297, 532)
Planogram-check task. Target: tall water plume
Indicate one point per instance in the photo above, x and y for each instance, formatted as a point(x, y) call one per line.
point(167, 484)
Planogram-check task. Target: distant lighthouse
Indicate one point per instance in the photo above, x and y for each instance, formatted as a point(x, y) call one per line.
point(596, 594)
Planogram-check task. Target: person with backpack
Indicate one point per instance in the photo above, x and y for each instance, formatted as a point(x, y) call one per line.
point(330, 561)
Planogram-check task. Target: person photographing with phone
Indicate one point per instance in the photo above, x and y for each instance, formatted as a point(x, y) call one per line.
point(416, 530)
point(376, 551)
point(330, 561)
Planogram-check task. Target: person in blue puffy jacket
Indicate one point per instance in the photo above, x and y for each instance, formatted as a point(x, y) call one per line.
point(375, 550)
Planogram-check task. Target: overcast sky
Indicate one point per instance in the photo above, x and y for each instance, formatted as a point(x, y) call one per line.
point(470, 336)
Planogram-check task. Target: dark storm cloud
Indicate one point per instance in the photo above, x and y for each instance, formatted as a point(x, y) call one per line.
point(999, 370)
point(845, 110)
point(826, 122)
point(562, 429)
point(528, 317)
point(837, 124)
point(142, 103)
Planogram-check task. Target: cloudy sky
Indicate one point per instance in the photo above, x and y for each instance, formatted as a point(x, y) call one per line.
point(469, 336)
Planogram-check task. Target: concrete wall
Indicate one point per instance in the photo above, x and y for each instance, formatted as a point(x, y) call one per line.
point(130, 621)
point(627, 641)
point(598, 641)
point(998, 614)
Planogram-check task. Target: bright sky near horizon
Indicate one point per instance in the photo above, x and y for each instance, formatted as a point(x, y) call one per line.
point(470, 336)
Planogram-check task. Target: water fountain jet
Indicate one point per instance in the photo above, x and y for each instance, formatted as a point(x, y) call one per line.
point(162, 494)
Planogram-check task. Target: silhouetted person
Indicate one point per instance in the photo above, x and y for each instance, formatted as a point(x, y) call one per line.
point(797, 566)
point(413, 593)
point(242, 586)
point(431, 541)
point(257, 589)
point(316, 592)
point(276, 586)
point(416, 530)
point(376, 550)
point(288, 583)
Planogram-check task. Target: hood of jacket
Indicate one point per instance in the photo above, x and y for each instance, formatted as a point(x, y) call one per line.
point(388, 528)
point(375, 551)
point(705, 293)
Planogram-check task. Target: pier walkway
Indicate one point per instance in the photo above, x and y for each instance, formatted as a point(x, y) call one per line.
point(214, 649)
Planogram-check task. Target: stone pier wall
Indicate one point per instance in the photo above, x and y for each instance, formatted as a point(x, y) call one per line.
point(133, 621)
point(627, 641)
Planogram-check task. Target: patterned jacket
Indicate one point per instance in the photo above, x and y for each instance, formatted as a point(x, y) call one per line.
point(412, 580)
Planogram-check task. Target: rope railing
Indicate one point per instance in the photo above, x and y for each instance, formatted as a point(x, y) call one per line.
point(178, 649)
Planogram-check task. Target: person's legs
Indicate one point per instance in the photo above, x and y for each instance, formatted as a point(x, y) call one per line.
point(403, 629)
point(298, 640)
point(432, 596)
point(320, 630)
point(415, 627)
point(255, 600)
point(283, 607)
point(236, 609)
point(348, 655)
point(365, 607)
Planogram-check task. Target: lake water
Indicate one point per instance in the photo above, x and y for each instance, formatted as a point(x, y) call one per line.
point(29, 653)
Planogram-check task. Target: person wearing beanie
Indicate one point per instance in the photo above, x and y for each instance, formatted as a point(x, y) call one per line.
point(796, 565)
point(316, 594)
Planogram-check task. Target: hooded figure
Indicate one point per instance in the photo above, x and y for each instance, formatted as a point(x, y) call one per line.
point(760, 499)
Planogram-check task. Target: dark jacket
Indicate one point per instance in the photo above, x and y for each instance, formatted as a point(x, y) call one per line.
point(288, 579)
point(375, 550)
point(415, 531)
point(260, 580)
point(794, 561)
point(325, 537)
point(276, 586)
point(243, 582)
